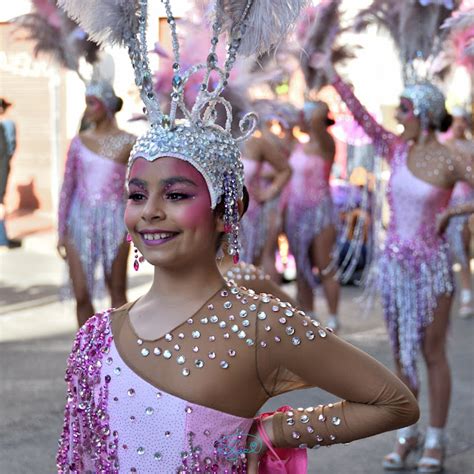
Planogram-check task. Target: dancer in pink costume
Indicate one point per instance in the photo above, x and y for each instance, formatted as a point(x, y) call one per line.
point(414, 269)
point(172, 382)
point(458, 233)
point(92, 203)
point(267, 171)
point(310, 220)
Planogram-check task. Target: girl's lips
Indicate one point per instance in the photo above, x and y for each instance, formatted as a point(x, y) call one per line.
point(157, 238)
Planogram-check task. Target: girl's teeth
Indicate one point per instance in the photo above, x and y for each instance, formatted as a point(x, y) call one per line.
point(155, 236)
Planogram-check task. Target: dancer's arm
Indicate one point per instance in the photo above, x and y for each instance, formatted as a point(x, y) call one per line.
point(272, 153)
point(373, 399)
point(67, 189)
point(382, 139)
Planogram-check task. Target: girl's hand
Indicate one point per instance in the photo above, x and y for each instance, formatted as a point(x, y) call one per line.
point(256, 445)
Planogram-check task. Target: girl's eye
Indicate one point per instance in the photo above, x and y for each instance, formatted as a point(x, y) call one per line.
point(136, 197)
point(177, 196)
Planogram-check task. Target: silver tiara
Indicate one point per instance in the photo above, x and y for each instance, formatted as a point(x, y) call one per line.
point(193, 134)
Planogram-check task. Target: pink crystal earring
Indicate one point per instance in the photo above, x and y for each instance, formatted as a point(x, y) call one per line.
point(138, 259)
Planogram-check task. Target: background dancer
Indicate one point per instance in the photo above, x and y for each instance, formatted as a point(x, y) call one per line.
point(458, 232)
point(92, 203)
point(310, 220)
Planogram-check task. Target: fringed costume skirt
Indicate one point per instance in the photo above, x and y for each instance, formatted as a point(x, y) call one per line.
point(411, 279)
point(97, 232)
point(255, 227)
point(303, 223)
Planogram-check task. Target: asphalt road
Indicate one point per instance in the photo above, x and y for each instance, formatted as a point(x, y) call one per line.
point(36, 331)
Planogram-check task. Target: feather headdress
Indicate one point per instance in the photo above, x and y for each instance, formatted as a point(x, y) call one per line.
point(317, 32)
point(198, 138)
point(54, 34)
point(414, 26)
point(460, 48)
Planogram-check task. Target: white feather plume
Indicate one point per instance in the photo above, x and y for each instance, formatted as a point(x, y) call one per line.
point(106, 21)
point(268, 21)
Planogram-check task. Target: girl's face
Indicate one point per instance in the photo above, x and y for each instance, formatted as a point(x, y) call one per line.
point(459, 127)
point(95, 109)
point(405, 115)
point(169, 213)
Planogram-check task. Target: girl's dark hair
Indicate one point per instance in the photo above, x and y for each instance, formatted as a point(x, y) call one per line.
point(118, 105)
point(329, 122)
point(446, 123)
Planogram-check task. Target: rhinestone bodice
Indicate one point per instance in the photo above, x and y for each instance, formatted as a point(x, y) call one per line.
point(309, 182)
point(415, 204)
point(186, 400)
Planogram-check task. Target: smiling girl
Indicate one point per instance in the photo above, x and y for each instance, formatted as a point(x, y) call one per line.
point(172, 382)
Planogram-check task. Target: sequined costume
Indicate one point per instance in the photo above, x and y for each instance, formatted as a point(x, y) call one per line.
point(462, 194)
point(169, 405)
point(247, 275)
point(256, 222)
point(414, 267)
point(92, 204)
point(309, 206)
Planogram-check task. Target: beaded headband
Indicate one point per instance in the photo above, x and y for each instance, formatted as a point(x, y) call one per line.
point(193, 134)
point(104, 91)
point(428, 102)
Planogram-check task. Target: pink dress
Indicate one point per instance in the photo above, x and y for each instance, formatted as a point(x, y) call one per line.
point(91, 208)
point(168, 404)
point(414, 266)
point(462, 194)
point(255, 224)
point(309, 206)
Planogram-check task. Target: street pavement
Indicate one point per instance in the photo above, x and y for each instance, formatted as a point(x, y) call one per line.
point(36, 332)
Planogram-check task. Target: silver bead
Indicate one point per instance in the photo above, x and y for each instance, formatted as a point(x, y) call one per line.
point(296, 435)
point(195, 334)
point(167, 354)
point(144, 352)
point(149, 411)
point(322, 333)
point(310, 335)
point(262, 315)
point(212, 355)
point(157, 456)
point(241, 334)
point(243, 313)
point(157, 351)
point(181, 360)
point(336, 421)
point(168, 337)
point(290, 330)
point(321, 418)
point(224, 364)
point(199, 363)
point(140, 450)
point(185, 372)
point(296, 341)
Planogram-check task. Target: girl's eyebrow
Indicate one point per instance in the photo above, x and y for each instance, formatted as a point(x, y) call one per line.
point(138, 182)
point(177, 180)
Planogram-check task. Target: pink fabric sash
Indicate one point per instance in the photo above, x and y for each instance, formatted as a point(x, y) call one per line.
point(280, 460)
